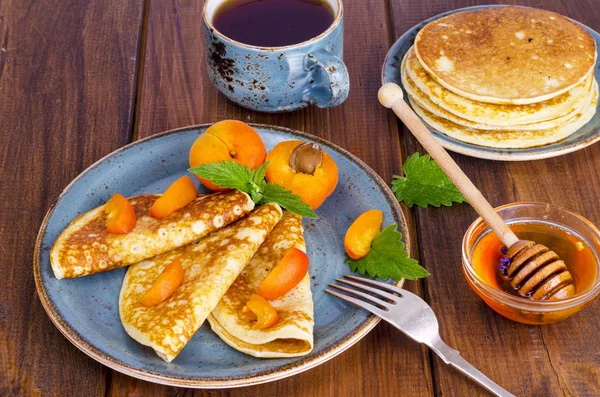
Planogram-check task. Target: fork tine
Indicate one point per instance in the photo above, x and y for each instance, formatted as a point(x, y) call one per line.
point(368, 297)
point(377, 291)
point(389, 287)
point(372, 308)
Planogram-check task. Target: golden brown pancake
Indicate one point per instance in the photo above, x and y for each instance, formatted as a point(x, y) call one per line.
point(432, 96)
point(512, 55)
point(85, 247)
point(292, 335)
point(510, 139)
point(210, 267)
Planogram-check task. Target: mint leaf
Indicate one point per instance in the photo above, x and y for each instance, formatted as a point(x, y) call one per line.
point(257, 184)
point(260, 173)
point(255, 191)
point(231, 175)
point(285, 198)
point(425, 183)
point(226, 174)
point(388, 259)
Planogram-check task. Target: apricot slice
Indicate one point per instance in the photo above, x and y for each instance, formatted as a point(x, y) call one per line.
point(178, 195)
point(121, 218)
point(308, 172)
point(266, 315)
point(163, 287)
point(290, 270)
point(361, 234)
point(228, 140)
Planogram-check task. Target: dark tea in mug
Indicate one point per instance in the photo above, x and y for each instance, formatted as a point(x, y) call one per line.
point(272, 23)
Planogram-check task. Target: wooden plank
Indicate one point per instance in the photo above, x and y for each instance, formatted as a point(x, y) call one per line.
point(552, 360)
point(67, 84)
point(176, 92)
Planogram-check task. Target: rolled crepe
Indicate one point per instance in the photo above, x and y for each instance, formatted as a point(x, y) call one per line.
point(85, 247)
point(292, 335)
point(210, 267)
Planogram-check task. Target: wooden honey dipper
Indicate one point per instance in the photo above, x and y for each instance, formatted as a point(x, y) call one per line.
point(535, 272)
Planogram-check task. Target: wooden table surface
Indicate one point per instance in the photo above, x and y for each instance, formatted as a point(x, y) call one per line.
point(79, 79)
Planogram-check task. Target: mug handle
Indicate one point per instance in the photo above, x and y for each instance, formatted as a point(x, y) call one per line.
point(331, 80)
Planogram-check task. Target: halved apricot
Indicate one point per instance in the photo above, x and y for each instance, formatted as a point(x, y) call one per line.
point(305, 169)
point(163, 287)
point(361, 234)
point(290, 270)
point(178, 195)
point(266, 315)
point(121, 218)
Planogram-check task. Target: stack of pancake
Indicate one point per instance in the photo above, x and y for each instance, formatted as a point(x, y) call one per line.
point(505, 77)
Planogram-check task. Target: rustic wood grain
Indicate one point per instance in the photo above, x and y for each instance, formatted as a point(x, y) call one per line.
point(67, 74)
point(552, 360)
point(67, 96)
point(175, 92)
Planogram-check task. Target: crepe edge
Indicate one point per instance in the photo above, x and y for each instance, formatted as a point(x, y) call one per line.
point(292, 330)
point(237, 343)
point(55, 263)
point(133, 332)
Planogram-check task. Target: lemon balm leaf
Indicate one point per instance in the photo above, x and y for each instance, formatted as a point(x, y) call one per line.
point(285, 198)
point(226, 174)
point(388, 258)
point(231, 175)
point(424, 183)
point(260, 173)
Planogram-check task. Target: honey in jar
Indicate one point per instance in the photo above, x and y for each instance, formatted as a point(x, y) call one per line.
point(577, 256)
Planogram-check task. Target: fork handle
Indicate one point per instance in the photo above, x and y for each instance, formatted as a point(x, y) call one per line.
point(453, 357)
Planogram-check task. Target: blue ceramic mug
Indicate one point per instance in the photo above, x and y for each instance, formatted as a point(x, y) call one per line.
point(279, 79)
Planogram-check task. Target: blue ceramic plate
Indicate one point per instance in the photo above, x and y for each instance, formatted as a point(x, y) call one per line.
point(86, 309)
point(587, 135)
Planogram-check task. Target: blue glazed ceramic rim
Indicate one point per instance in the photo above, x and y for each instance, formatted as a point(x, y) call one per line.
point(536, 153)
point(212, 383)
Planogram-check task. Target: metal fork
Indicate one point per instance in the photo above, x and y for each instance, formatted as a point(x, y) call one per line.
point(411, 315)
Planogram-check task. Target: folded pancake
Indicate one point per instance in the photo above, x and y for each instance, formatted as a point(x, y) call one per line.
point(85, 247)
point(210, 267)
point(489, 113)
point(513, 139)
point(469, 112)
point(292, 335)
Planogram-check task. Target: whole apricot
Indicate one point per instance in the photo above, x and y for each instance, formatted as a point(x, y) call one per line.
point(228, 140)
point(305, 169)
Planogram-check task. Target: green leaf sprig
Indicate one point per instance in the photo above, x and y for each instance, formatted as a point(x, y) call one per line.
point(231, 175)
point(425, 183)
point(388, 258)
